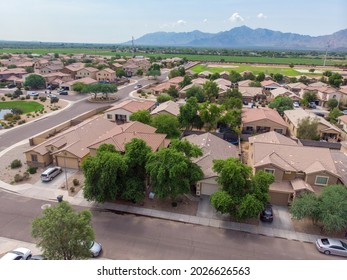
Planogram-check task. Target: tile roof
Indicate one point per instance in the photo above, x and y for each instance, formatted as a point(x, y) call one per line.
point(85, 80)
point(250, 91)
point(176, 80)
point(340, 161)
point(257, 114)
point(299, 158)
point(213, 148)
point(133, 105)
point(272, 137)
point(122, 134)
point(343, 118)
point(168, 106)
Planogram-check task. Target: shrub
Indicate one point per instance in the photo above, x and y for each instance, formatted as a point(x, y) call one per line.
point(27, 97)
point(3, 98)
point(72, 189)
point(43, 98)
point(8, 117)
point(16, 163)
point(22, 98)
point(32, 170)
point(18, 178)
point(75, 182)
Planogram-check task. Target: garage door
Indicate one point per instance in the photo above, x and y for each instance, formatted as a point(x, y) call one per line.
point(68, 162)
point(279, 198)
point(208, 189)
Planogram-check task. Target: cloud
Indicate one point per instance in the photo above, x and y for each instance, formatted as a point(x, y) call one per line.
point(205, 20)
point(180, 22)
point(261, 16)
point(236, 18)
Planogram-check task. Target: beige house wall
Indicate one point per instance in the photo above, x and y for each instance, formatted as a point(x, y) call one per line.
point(278, 173)
point(42, 160)
point(106, 76)
point(311, 178)
point(265, 123)
point(119, 111)
point(83, 73)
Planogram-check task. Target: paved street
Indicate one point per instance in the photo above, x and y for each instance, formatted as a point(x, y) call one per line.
point(130, 236)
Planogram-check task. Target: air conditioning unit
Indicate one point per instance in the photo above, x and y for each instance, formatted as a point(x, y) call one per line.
point(198, 193)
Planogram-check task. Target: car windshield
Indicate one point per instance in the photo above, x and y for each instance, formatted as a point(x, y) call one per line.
point(91, 244)
point(17, 253)
point(344, 245)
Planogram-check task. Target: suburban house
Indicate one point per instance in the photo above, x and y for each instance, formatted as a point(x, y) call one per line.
point(284, 92)
point(250, 94)
point(121, 112)
point(340, 160)
point(297, 88)
point(57, 78)
point(204, 74)
point(343, 98)
point(213, 148)
point(224, 75)
point(325, 130)
point(342, 120)
point(106, 75)
point(296, 168)
point(169, 107)
point(163, 87)
point(49, 69)
point(124, 133)
point(72, 69)
point(268, 85)
point(87, 81)
point(86, 72)
point(261, 120)
point(324, 92)
point(72, 146)
point(16, 72)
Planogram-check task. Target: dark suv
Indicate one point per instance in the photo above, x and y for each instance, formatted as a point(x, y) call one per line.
point(266, 214)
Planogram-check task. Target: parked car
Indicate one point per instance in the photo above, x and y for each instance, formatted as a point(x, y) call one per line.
point(331, 246)
point(32, 93)
point(344, 112)
point(266, 215)
point(37, 258)
point(64, 92)
point(138, 86)
point(11, 86)
point(51, 95)
point(312, 105)
point(296, 104)
point(50, 173)
point(95, 248)
point(17, 254)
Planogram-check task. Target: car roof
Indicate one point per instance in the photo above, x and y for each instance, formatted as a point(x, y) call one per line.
point(333, 241)
point(10, 256)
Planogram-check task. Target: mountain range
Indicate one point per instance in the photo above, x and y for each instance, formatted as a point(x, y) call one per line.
point(245, 37)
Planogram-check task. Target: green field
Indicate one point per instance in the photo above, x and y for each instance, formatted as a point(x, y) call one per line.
point(192, 57)
point(24, 106)
point(286, 71)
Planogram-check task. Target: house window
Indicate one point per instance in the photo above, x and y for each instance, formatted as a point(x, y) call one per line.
point(321, 180)
point(34, 158)
point(269, 170)
point(109, 116)
point(278, 130)
point(287, 172)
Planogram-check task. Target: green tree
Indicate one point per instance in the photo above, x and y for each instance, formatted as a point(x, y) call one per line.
point(234, 76)
point(211, 90)
point(232, 119)
point(139, 72)
point(163, 98)
point(136, 154)
point(333, 115)
point(34, 81)
point(197, 92)
point(188, 149)
point(281, 103)
point(335, 80)
point(186, 81)
point(167, 124)
point(214, 76)
point(104, 175)
point(247, 193)
point(143, 116)
point(172, 173)
point(120, 72)
point(78, 86)
point(278, 77)
point(307, 128)
point(310, 96)
point(260, 77)
point(332, 103)
point(233, 103)
point(63, 234)
point(328, 209)
point(188, 113)
point(105, 89)
point(174, 73)
point(29, 69)
point(210, 114)
point(172, 91)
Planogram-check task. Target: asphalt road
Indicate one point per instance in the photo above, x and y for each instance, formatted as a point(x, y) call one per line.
point(140, 238)
point(11, 137)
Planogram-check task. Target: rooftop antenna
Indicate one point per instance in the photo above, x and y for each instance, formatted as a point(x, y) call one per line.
point(133, 45)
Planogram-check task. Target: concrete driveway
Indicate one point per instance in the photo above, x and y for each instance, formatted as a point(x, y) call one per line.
point(58, 181)
point(282, 217)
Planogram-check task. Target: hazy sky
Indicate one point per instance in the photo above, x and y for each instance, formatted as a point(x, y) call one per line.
point(116, 21)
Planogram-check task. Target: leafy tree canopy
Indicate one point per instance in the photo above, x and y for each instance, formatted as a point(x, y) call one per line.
point(167, 124)
point(62, 233)
point(143, 116)
point(307, 129)
point(281, 103)
point(35, 81)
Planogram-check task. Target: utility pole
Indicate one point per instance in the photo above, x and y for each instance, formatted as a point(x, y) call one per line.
point(326, 54)
point(133, 45)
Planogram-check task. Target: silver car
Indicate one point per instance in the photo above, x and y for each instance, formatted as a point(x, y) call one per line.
point(95, 248)
point(18, 254)
point(332, 246)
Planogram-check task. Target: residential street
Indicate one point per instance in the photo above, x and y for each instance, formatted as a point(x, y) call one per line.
point(137, 237)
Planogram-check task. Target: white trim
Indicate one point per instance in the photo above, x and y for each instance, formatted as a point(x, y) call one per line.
point(315, 182)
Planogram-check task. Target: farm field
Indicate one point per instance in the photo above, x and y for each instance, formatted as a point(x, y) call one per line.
point(192, 57)
point(256, 69)
point(24, 106)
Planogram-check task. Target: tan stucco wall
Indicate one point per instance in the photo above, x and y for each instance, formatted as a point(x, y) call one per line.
point(311, 178)
point(266, 123)
point(278, 172)
point(42, 160)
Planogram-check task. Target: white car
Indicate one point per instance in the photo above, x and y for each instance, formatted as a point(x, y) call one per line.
point(95, 248)
point(296, 105)
point(32, 93)
point(18, 254)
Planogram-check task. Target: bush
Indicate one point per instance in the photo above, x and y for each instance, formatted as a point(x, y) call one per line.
point(20, 178)
point(43, 98)
point(3, 98)
point(16, 163)
point(32, 170)
point(75, 182)
point(27, 97)
point(72, 189)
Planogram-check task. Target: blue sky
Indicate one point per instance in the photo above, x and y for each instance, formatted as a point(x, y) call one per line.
point(114, 21)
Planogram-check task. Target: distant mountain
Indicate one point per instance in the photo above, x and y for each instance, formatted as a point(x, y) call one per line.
point(245, 37)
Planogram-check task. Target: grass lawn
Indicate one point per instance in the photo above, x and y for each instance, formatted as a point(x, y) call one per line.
point(287, 71)
point(24, 106)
